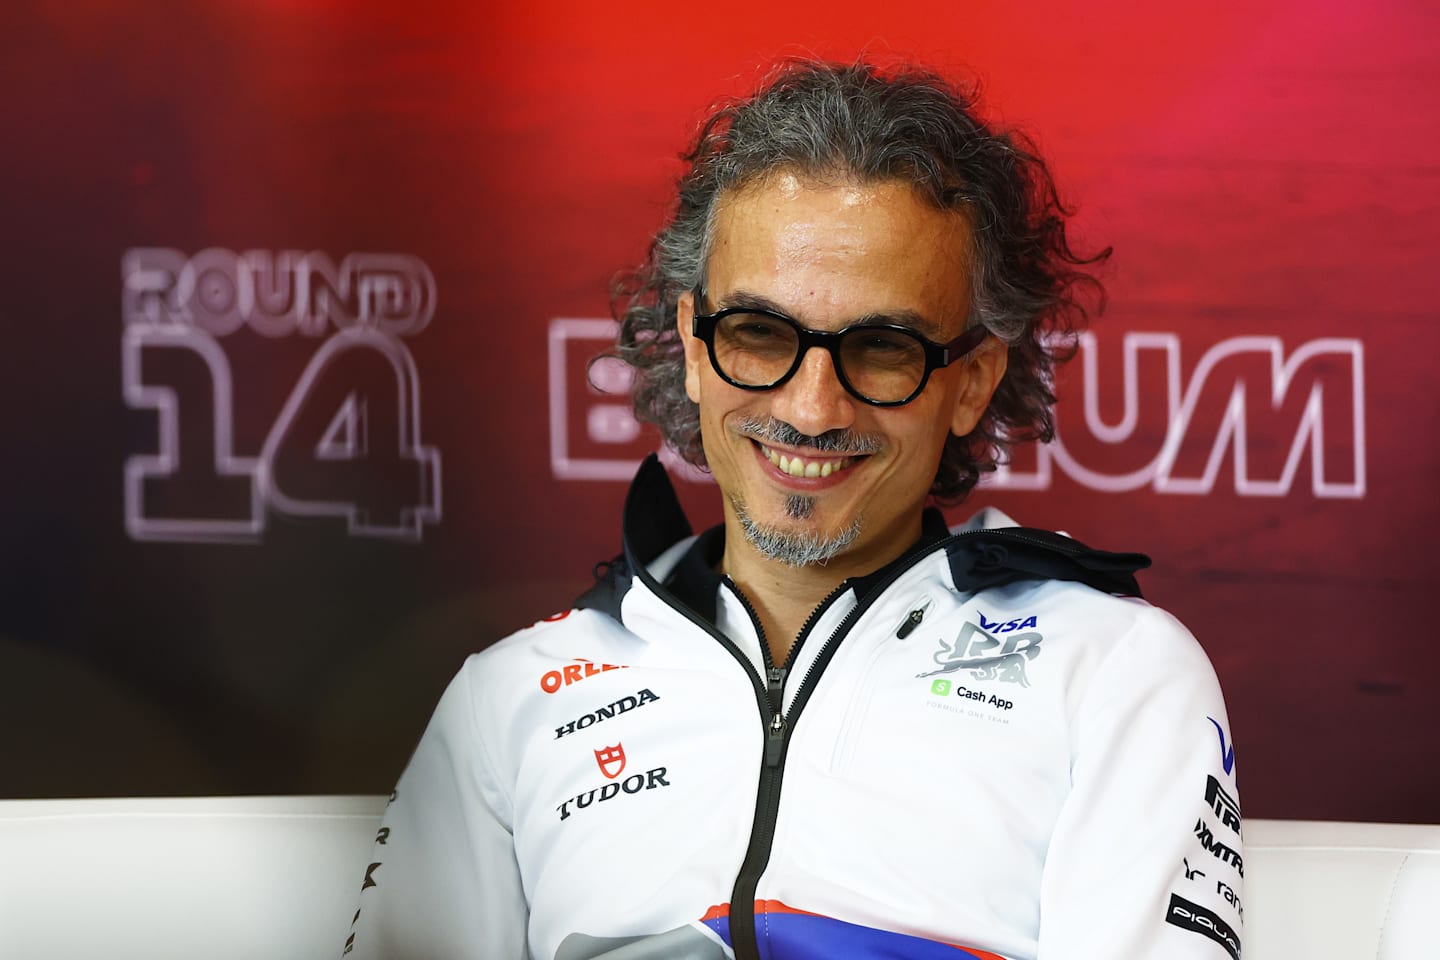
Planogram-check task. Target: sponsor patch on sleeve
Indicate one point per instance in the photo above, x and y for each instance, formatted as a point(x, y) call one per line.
point(1197, 919)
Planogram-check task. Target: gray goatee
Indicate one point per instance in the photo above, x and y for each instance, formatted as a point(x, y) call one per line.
point(794, 548)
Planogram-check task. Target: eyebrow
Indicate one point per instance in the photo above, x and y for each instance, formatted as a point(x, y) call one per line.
point(746, 300)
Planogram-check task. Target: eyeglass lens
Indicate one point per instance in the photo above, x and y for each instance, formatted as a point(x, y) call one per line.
point(881, 365)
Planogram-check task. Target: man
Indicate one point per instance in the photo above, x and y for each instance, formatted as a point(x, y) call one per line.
point(831, 727)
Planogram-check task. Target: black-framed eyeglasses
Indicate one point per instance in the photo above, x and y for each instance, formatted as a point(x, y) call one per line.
point(882, 364)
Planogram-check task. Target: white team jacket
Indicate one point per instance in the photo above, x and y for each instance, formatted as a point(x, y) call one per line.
point(982, 756)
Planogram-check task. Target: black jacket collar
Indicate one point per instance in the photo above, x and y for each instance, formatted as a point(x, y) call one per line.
point(654, 521)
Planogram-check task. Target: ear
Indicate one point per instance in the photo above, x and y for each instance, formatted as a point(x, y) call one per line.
point(695, 356)
point(983, 371)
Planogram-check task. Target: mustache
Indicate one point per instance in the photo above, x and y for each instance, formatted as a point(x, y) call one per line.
point(843, 442)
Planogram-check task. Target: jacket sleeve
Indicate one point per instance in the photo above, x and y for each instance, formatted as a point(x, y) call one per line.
point(1145, 861)
point(443, 883)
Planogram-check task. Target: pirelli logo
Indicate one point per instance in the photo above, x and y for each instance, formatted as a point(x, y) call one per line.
point(1223, 804)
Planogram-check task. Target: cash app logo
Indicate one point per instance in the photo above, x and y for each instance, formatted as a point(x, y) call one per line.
point(941, 688)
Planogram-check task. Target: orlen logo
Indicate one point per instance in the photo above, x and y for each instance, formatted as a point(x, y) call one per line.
point(553, 680)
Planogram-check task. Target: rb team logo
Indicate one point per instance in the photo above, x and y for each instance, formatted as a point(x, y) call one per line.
point(985, 655)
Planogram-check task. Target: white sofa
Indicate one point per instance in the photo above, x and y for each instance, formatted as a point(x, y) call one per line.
point(278, 878)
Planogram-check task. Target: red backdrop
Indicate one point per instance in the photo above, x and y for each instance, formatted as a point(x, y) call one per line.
point(219, 577)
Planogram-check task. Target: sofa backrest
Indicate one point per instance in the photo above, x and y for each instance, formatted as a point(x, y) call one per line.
point(279, 878)
point(154, 879)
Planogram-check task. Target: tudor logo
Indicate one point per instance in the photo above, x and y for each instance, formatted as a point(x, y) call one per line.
point(631, 785)
point(611, 760)
point(988, 657)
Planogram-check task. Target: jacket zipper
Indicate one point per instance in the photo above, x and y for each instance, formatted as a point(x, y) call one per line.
point(767, 800)
point(770, 698)
point(743, 938)
point(911, 621)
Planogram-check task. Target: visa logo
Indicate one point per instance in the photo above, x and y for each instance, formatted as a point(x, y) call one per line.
point(1006, 626)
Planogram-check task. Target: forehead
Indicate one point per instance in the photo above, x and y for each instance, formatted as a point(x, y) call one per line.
point(828, 251)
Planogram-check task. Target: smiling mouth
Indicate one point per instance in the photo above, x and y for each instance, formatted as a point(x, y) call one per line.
point(797, 466)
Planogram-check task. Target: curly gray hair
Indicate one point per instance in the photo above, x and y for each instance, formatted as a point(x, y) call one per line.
point(859, 122)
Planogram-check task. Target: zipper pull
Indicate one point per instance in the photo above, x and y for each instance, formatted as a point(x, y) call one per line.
point(775, 740)
point(912, 620)
point(775, 687)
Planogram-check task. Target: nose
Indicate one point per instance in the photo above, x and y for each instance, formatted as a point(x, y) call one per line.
point(814, 400)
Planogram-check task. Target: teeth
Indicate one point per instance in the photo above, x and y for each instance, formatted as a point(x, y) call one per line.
point(799, 467)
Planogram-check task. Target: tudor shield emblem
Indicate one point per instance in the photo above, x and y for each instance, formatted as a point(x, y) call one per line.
point(611, 760)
